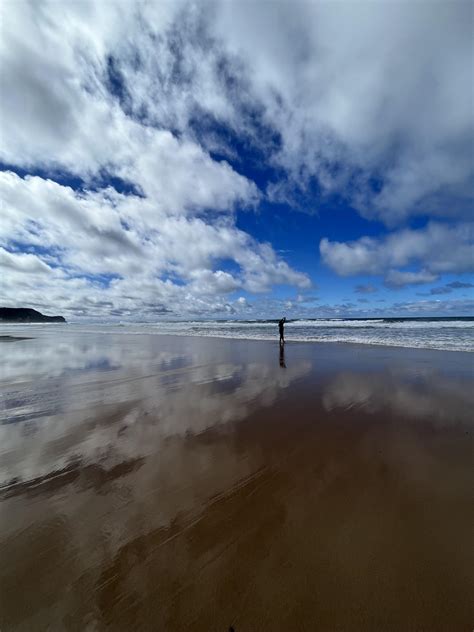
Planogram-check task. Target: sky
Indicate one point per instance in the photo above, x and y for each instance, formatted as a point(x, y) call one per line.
point(237, 160)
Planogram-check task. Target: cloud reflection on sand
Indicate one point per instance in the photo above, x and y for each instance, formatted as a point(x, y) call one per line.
point(428, 395)
point(106, 404)
point(102, 443)
point(148, 478)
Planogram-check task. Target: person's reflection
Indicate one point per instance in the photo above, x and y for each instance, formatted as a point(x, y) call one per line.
point(282, 356)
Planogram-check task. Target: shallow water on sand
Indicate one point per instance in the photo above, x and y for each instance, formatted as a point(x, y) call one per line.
point(164, 483)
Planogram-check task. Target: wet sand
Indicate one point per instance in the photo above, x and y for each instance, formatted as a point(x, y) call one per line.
point(164, 483)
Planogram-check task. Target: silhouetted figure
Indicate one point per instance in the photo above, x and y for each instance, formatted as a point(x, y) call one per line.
point(281, 325)
point(282, 356)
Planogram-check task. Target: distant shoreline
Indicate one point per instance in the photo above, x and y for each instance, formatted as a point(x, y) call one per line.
point(27, 315)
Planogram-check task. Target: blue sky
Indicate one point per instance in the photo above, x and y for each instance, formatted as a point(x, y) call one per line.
point(183, 160)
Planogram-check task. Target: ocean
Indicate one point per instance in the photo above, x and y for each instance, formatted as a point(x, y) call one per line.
point(448, 334)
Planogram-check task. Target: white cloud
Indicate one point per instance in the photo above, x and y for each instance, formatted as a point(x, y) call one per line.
point(58, 114)
point(373, 90)
point(438, 248)
point(341, 93)
point(23, 262)
point(105, 233)
point(354, 92)
point(397, 278)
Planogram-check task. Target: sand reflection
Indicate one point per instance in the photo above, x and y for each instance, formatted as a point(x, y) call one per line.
point(425, 395)
point(102, 444)
point(116, 404)
point(158, 484)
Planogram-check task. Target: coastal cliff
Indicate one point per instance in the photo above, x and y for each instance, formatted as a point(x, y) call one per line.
point(26, 315)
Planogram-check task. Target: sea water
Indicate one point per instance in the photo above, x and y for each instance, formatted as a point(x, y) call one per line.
point(455, 334)
point(449, 334)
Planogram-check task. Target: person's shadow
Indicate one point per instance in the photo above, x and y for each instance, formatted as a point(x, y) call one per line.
point(282, 356)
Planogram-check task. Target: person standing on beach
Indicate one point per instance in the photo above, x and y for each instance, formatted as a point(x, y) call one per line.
point(281, 325)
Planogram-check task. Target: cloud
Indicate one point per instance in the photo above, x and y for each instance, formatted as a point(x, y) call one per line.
point(61, 115)
point(306, 298)
point(433, 307)
point(397, 278)
point(457, 285)
point(242, 302)
point(437, 248)
point(448, 288)
point(361, 94)
point(22, 262)
point(365, 289)
point(437, 290)
point(311, 92)
point(151, 97)
point(150, 257)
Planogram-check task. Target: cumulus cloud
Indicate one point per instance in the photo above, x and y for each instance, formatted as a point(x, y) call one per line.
point(437, 248)
point(90, 236)
point(71, 109)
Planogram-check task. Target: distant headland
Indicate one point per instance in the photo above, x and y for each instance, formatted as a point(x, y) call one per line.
point(26, 315)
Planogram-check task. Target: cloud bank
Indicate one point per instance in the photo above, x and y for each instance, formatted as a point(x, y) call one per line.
point(127, 131)
point(439, 248)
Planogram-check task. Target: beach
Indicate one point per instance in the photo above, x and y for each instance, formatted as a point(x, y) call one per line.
point(168, 483)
